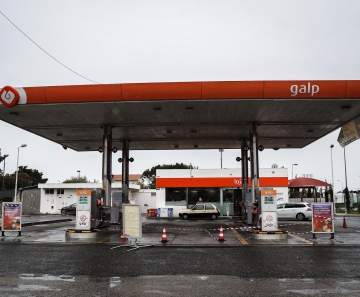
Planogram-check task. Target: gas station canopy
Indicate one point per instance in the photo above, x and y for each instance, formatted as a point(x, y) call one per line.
point(183, 115)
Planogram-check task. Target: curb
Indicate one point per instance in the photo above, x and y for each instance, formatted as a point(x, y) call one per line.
point(45, 222)
point(82, 231)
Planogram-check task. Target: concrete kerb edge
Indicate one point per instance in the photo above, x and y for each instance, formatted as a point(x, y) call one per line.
point(45, 222)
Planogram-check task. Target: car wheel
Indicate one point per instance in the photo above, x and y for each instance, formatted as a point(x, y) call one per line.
point(214, 217)
point(63, 211)
point(185, 216)
point(300, 217)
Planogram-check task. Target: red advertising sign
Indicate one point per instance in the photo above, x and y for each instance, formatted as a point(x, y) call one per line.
point(11, 216)
point(322, 218)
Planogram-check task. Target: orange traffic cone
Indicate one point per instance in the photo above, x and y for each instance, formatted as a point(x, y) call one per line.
point(221, 235)
point(122, 237)
point(164, 238)
point(344, 224)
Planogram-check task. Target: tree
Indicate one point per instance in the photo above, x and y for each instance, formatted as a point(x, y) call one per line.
point(148, 177)
point(26, 177)
point(347, 199)
point(36, 177)
point(76, 179)
point(308, 193)
point(331, 192)
point(303, 193)
point(24, 180)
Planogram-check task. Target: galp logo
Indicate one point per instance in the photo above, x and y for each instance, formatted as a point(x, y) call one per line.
point(304, 89)
point(9, 96)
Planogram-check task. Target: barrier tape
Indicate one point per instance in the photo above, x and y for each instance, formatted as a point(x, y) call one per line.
point(252, 234)
point(213, 229)
point(298, 232)
point(196, 229)
point(244, 228)
point(208, 232)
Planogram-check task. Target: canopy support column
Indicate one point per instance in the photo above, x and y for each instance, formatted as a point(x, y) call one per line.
point(125, 170)
point(244, 174)
point(106, 163)
point(254, 158)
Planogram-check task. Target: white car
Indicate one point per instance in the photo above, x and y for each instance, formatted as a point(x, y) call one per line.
point(200, 210)
point(300, 211)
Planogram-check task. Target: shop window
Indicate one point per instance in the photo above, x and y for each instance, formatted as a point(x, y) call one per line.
point(200, 195)
point(60, 191)
point(49, 191)
point(175, 196)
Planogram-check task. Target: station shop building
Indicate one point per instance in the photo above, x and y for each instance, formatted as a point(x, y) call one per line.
point(176, 189)
point(182, 188)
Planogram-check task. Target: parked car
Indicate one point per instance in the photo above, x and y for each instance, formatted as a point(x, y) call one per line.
point(200, 210)
point(300, 211)
point(70, 209)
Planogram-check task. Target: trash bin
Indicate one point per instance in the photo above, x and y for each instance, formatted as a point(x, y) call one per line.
point(164, 212)
point(153, 214)
point(149, 212)
point(158, 211)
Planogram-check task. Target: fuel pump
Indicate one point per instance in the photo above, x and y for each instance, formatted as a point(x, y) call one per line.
point(83, 210)
point(269, 220)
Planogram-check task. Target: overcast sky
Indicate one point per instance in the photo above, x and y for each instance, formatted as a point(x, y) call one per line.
point(160, 41)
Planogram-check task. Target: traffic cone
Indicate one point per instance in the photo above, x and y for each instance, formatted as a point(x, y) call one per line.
point(221, 235)
point(122, 237)
point(344, 224)
point(164, 238)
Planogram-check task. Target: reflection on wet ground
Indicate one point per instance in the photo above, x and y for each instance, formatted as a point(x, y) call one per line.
point(172, 285)
point(191, 233)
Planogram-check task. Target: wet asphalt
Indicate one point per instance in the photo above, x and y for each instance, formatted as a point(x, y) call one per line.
point(178, 232)
point(44, 261)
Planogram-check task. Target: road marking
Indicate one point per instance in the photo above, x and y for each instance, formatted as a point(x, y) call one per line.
point(238, 236)
point(301, 239)
point(101, 240)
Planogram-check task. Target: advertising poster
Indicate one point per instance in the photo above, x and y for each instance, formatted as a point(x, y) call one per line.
point(83, 219)
point(322, 218)
point(11, 216)
point(269, 221)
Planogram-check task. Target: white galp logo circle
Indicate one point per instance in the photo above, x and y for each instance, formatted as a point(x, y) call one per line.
point(9, 96)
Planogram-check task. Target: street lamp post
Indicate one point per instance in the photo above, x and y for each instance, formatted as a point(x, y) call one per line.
point(292, 170)
point(332, 173)
point(346, 185)
point(3, 181)
point(17, 170)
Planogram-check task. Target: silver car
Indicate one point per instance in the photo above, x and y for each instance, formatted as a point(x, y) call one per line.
point(300, 211)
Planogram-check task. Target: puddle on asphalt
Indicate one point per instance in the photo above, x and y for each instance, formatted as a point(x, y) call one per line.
point(12, 281)
point(48, 277)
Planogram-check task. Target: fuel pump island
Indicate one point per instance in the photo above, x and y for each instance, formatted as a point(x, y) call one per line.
point(269, 221)
point(90, 216)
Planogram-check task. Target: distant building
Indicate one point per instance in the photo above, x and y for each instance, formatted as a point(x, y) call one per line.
point(176, 189)
point(50, 198)
point(7, 195)
point(133, 178)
